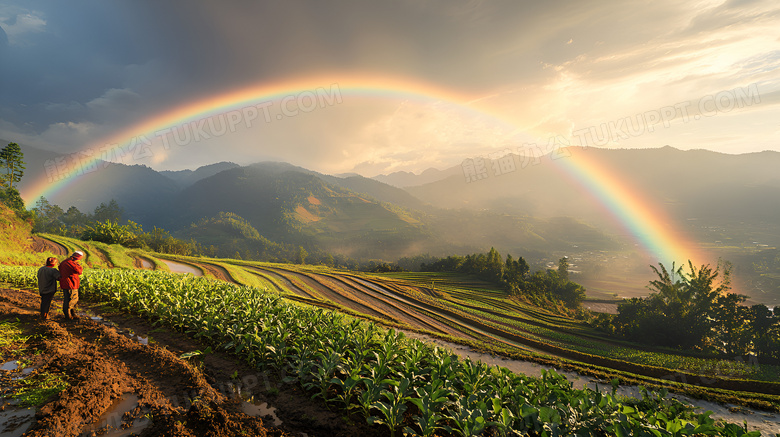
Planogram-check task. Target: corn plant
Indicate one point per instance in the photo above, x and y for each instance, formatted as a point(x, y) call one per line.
point(347, 389)
point(392, 411)
point(381, 372)
point(371, 394)
point(430, 401)
point(469, 417)
point(322, 374)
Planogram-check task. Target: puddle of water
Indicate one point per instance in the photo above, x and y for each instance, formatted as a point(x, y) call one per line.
point(143, 340)
point(26, 371)
point(111, 420)
point(15, 421)
point(177, 267)
point(146, 264)
point(260, 410)
point(11, 365)
point(253, 408)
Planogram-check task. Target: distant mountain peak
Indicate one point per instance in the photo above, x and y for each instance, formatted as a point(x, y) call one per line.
point(403, 179)
point(185, 178)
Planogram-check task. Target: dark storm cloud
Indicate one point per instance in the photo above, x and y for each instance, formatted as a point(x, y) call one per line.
point(73, 73)
point(454, 43)
point(171, 52)
point(83, 51)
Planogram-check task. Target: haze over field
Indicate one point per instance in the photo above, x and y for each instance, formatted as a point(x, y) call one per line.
point(499, 108)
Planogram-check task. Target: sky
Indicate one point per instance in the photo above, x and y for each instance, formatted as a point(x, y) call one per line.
point(378, 87)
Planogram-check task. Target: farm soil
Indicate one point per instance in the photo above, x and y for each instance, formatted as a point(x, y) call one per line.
point(105, 362)
point(42, 245)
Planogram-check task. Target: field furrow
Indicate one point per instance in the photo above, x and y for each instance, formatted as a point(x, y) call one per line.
point(286, 286)
point(453, 319)
point(326, 293)
point(398, 310)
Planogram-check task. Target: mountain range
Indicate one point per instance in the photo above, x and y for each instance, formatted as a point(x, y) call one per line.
point(539, 207)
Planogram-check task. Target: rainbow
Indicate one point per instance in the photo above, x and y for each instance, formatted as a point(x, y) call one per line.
point(362, 86)
point(644, 220)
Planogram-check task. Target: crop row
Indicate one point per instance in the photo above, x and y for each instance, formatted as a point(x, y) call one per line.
point(380, 374)
point(584, 340)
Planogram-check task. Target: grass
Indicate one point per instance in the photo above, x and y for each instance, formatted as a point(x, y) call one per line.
point(32, 390)
point(11, 333)
point(37, 388)
point(15, 241)
point(116, 254)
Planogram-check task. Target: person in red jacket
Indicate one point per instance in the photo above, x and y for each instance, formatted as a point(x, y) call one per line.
point(70, 270)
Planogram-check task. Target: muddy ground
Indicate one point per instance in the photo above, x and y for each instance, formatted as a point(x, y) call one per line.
point(124, 373)
point(42, 245)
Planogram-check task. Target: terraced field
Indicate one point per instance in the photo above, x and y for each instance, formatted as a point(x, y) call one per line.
point(467, 310)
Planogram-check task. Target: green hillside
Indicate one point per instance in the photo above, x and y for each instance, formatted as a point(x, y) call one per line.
point(292, 206)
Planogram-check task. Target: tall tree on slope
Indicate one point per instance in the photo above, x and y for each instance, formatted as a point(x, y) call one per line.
point(12, 162)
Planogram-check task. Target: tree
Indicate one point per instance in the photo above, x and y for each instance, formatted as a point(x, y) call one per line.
point(563, 268)
point(12, 162)
point(764, 329)
point(47, 217)
point(302, 254)
point(494, 267)
point(731, 320)
point(111, 212)
point(73, 218)
point(113, 233)
point(515, 272)
point(688, 310)
point(328, 261)
point(12, 199)
point(159, 240)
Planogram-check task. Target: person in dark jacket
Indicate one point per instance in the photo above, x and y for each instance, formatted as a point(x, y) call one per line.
point(70, 270)
point(47, 285)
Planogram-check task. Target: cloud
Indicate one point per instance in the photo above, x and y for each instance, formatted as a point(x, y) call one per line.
point(535, 69)
point(3, 38)
point(69, 135)
point(18, 23)
point(114, 104)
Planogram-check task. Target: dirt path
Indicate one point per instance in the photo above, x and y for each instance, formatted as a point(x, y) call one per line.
point(121, 380)
point(40, 244)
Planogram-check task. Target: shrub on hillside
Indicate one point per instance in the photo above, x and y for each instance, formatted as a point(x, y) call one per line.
point(113, 233)
point(12, 199)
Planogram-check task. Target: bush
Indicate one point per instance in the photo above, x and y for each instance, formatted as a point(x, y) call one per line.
point(113, 233)
point(12, 199)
